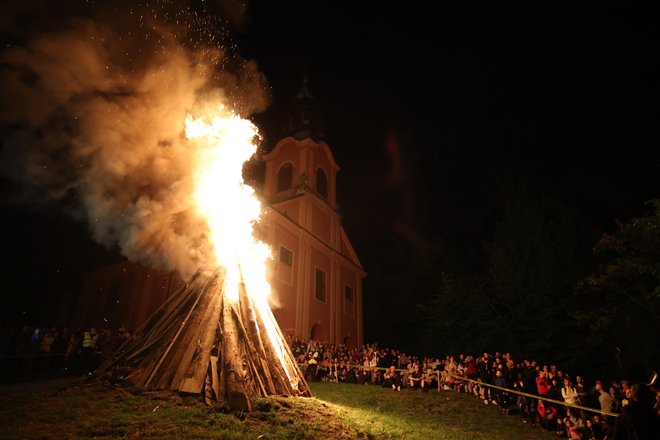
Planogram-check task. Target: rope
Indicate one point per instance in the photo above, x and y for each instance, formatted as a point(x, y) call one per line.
point(533, 396)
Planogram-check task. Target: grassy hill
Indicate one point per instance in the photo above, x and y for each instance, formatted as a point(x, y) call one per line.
point(337, 411)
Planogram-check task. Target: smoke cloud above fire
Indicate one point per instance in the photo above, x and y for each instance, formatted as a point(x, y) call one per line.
point(93, 105)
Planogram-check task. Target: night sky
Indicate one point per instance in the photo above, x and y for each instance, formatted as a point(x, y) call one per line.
point(435, 114)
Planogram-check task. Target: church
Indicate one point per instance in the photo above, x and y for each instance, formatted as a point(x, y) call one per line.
point(315, 274)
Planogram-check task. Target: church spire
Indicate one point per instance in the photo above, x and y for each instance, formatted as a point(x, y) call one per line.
point(303, 118)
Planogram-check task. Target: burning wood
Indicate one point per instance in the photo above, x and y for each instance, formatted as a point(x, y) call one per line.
point(200, 341)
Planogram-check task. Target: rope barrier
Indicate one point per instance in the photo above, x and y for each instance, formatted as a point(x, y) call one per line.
point(533, 396)
point(508, 390)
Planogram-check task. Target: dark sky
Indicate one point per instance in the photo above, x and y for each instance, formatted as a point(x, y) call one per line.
point(428, 107)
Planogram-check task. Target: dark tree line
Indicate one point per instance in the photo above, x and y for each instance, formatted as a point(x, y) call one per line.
point(544, 291)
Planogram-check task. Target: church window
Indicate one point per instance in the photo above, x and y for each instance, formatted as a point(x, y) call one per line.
point(322, 183)
point(348, 293)
point(286, 256)
point(285, 177)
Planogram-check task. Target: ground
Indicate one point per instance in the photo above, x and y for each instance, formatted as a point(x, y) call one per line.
point(67, 409)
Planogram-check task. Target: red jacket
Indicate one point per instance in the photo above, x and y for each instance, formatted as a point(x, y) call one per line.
point(542, 385)
point(548, 410)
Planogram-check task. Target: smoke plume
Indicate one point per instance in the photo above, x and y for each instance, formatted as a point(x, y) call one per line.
point(93, 104)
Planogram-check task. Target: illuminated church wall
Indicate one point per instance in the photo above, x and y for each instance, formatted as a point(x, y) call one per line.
point(311, 248)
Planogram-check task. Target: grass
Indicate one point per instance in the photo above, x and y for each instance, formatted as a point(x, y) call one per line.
point(338, 411)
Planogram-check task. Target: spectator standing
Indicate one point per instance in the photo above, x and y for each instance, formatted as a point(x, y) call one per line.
point(569, 393)
point(606, 402)
point(542, 384)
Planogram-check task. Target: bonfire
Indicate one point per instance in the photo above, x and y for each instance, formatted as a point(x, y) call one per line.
point(217, 335)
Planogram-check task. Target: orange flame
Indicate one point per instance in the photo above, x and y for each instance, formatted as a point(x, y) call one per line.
point(231, 208)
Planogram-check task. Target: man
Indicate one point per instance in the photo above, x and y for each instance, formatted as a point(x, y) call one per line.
point(417, 378)
point(606, 402)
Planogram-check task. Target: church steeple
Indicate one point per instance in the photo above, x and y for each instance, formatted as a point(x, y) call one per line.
point(303, 115)
point(316, 272)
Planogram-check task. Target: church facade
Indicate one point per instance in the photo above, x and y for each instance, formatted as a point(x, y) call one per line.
point(317, 275)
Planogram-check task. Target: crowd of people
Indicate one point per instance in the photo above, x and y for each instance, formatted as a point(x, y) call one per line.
point(539, 390)
point(30, 350)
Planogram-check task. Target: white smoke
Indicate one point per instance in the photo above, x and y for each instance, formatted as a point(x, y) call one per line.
point(92, 108)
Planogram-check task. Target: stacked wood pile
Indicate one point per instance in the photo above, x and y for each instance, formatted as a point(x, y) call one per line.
point(200, 342)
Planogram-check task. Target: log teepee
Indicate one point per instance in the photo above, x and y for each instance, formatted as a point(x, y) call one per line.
point(199, 341)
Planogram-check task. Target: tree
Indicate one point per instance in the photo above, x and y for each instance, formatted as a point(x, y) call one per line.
point(522, 300)
point(620, 310)
point(534, 261)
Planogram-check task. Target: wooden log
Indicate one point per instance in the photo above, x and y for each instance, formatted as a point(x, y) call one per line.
point(257, 374)
point(215, 380)
point(203, 341)
point(303, 388)
point(208, 392)
point(190, 377)
point(261, 367)
point(233, 369)
point(189, 344)
point(162, 358)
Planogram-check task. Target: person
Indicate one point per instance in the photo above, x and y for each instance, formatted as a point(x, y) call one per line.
point(572, 430)
point(312, 365)
point(606, 402)
point(638, 420)
point(500, 397)
point(542, 384)
point(417, 378)
point(583, 395)
point(547, 415)
point(594, 429)
point(569, 393)
point(392, 379)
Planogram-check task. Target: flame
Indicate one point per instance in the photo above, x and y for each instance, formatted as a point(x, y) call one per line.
point(231, 208)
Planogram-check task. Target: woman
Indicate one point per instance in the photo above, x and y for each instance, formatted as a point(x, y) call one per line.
point(569, 393)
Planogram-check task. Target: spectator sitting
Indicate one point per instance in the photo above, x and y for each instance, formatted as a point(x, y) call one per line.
point(594, 429)
point(572, 430)
point(430, 377)
point(547, 415)
point(392, 379)
point(416, 378)
point(312, 364)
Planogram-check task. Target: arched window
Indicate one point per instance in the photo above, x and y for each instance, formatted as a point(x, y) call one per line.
point(322, 183)
point(285, 177)
point(315, 334)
